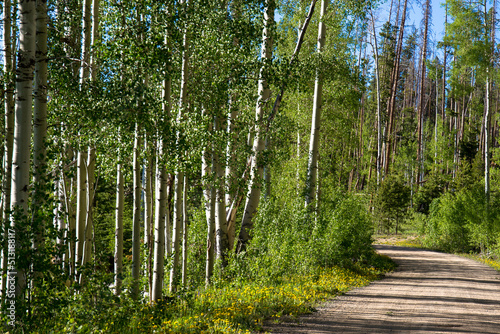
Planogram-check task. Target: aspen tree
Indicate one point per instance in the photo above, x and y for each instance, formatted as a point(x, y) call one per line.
point(312, 165)
point(136, 219)
point(82, 172)
point(207, 176)
point(263, 96)
point(377, 78)
point(184, 233)
point(120, 201)
point(256, 168)
point(40, 123)
point(179, 174)
point(89, 223)
point(22, 126)
point(161, 208)
point(9, 133)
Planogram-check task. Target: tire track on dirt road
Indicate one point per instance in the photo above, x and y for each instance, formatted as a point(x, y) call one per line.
point(429, 292)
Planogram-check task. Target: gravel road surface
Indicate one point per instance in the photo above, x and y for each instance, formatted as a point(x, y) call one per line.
point(429, 292)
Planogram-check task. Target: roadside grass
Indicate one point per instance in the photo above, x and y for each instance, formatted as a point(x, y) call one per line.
point(402, 240)
point(415, 241)
point(244, 306)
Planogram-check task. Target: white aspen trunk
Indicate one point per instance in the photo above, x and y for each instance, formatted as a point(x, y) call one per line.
point(70, 209)
point(81, 205)
point(162, 213)
point(83, 188)
point(161, 210)
point(256, 168)
point(92, 34)
point(61, 221)
point(136, 219)
point(148, 218)
point(207, 171)
point(184, 233)
point(120, 201)
point(228, 174)
point(221, 238)
point(168, 216)
point(95, 36)
point(22, 128)
point(9, 137)
point(89, 226)
point(379, 120)
point(312, 165)
point(230, 156)
point(40, 122)
point(179, 175)
point(87, 40)
point(176, 234)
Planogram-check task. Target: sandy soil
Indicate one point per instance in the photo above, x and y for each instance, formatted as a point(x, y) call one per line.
point(429, 292)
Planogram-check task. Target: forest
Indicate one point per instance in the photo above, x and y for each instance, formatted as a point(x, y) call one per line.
point(200, 166)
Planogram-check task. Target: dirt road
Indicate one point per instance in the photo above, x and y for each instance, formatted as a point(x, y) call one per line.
point(429, 292)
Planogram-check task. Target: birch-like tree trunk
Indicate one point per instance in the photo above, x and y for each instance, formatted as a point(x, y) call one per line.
point(22, 127)
point(136, 219)
point(263, 95)
point(377, 80)
point(221, 237)
point(312, 165)
point(81, 203)
point(82, 195)
point(179, 174)
point(89, 224)
point(162, 213)
point(148, 213)
point(120, 201)
point(177, 231)
point(9, 136)
point(207, 172)
point(161, 210)
point(40, 125)
point(184, 233)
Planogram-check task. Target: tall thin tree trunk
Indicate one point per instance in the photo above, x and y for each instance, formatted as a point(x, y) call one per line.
point(148, 215)
point(176, 234)
point(81, 204)
point(312, 164)
point(184, 233)
point(136, 219)
point(89, 226)
point(256, 171)
point(179, 174)
point(379, 120)
point(394, 84)
point(207, 175)
point(162, 214)
point(221, 238)
point(120, 201)
point(40, 126)
point(22, 129)
point(9, 138)
point(161, 210)
point(423, 66)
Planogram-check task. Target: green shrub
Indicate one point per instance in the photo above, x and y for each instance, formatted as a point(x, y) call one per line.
point(463, 222)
